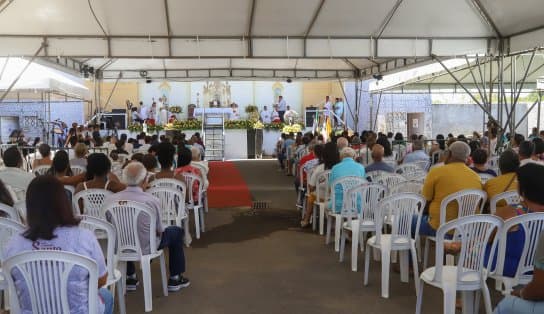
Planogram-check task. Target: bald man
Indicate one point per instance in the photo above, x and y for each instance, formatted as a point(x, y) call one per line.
point(378, 164)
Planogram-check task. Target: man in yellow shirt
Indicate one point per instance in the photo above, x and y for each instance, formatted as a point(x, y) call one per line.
point(442, 181)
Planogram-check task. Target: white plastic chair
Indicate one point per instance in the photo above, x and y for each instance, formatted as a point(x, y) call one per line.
point(11, 212)
point(510, 197)
point(345, 184)
point(372, 176)
point(390, 180)
point(195, 205)
point(407, 168)
point(20, 206)
point(407, 187)
point(173, 212)
point(181, 187)
point(322, 184)
point(92, 199)
point(8, 228)
point(71, 190)
point(402, 206)
point(78, 170)
point(99, 226)
point(204, 176)
point(484, 177)
point(469, 274)
point(124, 215)
point(45, 275)
point(423, 164)
point(358, 215)
point(170, 183)
point(468, 203)
point(533, 225)
point(41, 170)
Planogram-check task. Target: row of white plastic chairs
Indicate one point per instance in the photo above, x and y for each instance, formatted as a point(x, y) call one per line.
point(170, 192)
point(372, 195)
point(123, 245)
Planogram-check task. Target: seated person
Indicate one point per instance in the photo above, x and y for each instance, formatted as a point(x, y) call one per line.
point(80, 152)
point(197, 159)
point(377, 157)
point(417, 154)
point(61, 170)
point(329, 158)
point(99, 175)
point(479, 162)
point(45, 152)
point(442, 181)
point(150, 163)
point(345, 168)
point(12, 175)
point(528, 299)
point(508, 164)
point(52, 225)
point(527, 155)
point(165, 155)
point(530, 187)
point(134, 175)
point(184, 166)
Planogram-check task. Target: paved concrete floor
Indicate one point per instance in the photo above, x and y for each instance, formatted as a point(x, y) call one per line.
point(263, 263)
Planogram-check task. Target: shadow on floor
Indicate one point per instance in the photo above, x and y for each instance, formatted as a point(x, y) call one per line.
point(247, 225)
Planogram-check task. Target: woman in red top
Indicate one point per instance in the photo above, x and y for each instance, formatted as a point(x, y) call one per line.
point(184, 166)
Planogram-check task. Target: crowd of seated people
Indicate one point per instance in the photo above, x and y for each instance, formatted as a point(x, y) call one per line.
point(458, 163)
point(51, 221)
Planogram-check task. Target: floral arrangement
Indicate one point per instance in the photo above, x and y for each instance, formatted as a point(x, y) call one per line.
point(230, 125)
point(135, 128)
point(238, 124)
point(294, 128)
point(175, 109)
point(274, 126)
point(154, 128)
point(184, 125)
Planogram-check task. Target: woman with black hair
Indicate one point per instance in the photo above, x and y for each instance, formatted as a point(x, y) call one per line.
point(530, 298)
point(165, 155)
point(60, 168)
point(52, 225)
point(99, 175)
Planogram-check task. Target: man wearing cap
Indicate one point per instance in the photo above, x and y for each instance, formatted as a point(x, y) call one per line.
point(453, 177)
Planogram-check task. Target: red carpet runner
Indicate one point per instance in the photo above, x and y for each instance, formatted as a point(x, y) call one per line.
point(227, 187)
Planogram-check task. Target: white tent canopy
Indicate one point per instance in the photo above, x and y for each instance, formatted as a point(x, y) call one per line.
point(39, 78)
point(306, 39)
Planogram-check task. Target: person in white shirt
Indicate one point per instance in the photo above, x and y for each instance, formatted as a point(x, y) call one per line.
point(290, 115)
point(12, 175)
point(276, 115)
point(526, 154)
point(327, 107)
point(266, 116)
point(282, 105)
point(143, 111)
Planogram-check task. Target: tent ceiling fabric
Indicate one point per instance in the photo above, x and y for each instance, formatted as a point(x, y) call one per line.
point(361, 36)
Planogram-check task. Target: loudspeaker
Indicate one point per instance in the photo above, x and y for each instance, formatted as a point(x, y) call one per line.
point(114, 120)
point(310, 115)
